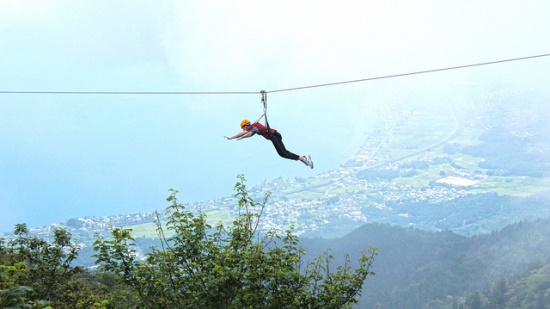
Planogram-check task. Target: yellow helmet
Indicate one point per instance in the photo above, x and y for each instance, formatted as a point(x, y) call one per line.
point(244, 122)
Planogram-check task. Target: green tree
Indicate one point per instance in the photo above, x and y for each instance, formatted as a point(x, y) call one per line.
point(48, 265)
point(14, 295)
point(200, 266)
point(35, 273)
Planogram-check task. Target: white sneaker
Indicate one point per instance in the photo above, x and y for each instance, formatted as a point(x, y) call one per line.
point(307, 161)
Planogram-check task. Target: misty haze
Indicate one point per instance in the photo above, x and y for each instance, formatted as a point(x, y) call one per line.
point(430, 135)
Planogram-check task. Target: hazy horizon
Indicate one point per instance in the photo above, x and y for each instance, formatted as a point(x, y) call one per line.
point(65, 156)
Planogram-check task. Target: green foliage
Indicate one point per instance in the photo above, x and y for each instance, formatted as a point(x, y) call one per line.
point(204, 266)
point(37, 274)
point(419, 269)
point(529, 290)
point(48, 265)
point(13, 295)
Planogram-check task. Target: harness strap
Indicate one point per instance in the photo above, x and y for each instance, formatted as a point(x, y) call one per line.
point(264, 102)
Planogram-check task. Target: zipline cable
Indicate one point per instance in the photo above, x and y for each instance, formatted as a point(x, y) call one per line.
point(272, 91)
point(411, 73)
point(133, 92)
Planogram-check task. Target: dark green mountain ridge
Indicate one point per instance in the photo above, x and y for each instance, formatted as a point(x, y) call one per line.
point(421, 269)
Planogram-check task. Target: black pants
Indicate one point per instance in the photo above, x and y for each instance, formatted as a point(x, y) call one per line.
point(277, 141)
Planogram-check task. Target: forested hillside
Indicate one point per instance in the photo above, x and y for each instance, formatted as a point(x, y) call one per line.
point(419, 269)
point(413, 268)
point(527, 290)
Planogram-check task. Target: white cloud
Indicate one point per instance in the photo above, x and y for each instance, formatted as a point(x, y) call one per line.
point(294, 43)
point(21, 13)
point(228, 46)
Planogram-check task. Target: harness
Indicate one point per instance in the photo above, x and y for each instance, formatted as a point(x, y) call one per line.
point(264, 115)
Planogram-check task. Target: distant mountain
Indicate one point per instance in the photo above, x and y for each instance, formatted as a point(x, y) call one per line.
point(419, 269)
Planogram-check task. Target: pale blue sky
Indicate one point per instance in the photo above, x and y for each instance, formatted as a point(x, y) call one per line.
point(64, 156)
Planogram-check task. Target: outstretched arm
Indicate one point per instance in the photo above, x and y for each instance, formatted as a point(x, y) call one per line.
point(243, 134)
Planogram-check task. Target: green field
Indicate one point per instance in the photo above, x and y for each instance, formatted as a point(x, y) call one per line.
point(149, 230)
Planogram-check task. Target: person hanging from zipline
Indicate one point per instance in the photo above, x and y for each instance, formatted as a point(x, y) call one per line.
point(250, 129)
